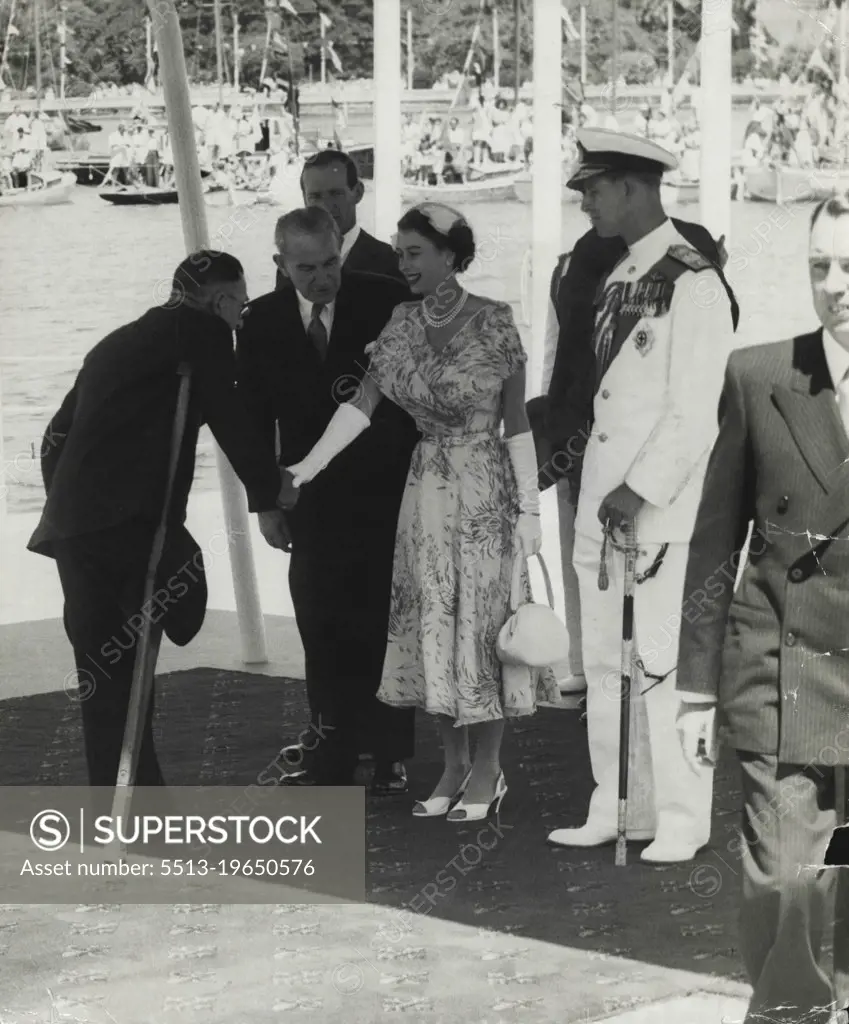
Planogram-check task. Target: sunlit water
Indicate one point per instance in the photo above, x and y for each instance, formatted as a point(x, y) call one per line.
point(72, 273)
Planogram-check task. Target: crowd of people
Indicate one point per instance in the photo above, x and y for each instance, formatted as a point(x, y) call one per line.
point(25, 148)
point(410, 511)
point(806, 132)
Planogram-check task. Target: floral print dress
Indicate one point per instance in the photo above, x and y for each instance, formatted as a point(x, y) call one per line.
point(454, 549)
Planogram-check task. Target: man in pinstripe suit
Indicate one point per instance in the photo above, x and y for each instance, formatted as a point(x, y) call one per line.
point(772, 657)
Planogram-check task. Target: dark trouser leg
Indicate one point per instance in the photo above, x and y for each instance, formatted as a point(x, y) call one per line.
point(386, 732)
point(788, 819)
point(102, 577)
point(317, 585)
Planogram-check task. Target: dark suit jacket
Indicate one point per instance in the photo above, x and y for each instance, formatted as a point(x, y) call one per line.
point(568, 409)
point(105, 454)
point(368, 254)
point(775, 652)
point(286, 384)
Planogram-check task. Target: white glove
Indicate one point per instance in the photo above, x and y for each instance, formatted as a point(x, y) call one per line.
point(347, 424)
point(523, 457)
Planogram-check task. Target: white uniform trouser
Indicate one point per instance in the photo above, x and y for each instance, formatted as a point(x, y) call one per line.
point(566, 517)
point(665, 796)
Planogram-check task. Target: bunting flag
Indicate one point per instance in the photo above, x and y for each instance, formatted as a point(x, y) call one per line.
point(12, 30)
point(333, 55)
point(572, 34)
point(325, 21)
point(278, 43)
point(286, 6)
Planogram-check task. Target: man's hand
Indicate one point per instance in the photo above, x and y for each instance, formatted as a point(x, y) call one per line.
point(273, 527)
point(695, 724)
point(620, 506)
point(289, 493)
point(723, 252)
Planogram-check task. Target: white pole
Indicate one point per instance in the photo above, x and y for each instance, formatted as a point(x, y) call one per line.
point(715, 190)
point(841, 88)
point(387, 116)
point(547, 172)
point(196, 236)
point(323, 53)
point(842, 41)
point(583, 47)
point(670, 41)
point(496, 47)
point(410, 58)
point(219, 52)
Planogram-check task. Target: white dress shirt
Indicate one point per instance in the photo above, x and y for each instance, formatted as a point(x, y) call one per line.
point(837, 359)
point(326, 317)
point(348, 241)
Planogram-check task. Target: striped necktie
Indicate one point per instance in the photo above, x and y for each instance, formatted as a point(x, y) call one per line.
point(316, 331)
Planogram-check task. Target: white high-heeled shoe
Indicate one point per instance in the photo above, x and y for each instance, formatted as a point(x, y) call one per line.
point(439, 805)
point(478, 812)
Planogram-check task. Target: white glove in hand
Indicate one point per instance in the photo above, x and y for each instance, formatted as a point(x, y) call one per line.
point(347, 424)
point(529, 534)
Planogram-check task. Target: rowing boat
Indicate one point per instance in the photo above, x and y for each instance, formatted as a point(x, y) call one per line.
point(139, 196)
point(489, 191)
point(51, 190)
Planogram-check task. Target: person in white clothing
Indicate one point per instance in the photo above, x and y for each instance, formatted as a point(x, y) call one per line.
point(663, 333)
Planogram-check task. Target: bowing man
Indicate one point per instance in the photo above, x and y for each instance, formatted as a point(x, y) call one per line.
point(105, 463)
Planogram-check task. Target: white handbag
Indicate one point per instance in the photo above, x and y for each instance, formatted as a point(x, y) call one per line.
point(533, 636)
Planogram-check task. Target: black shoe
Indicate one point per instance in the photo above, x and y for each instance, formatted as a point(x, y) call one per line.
point(390, 779)
point(293, 757)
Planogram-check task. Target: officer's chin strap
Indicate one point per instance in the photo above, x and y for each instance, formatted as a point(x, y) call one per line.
point(641, 577)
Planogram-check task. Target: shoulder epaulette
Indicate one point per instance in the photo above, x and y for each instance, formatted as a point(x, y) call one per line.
point(691, 258)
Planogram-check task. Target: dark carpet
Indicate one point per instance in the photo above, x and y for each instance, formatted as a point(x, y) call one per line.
point(225, 728)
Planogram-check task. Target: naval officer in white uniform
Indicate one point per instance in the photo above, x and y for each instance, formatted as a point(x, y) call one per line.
point(663, 334)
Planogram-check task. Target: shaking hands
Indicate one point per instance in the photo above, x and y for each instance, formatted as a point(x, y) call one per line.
point(288, 496)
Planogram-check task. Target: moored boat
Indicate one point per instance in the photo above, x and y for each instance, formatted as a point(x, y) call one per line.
point(491, 190)
point(780, 184)
point(139, 196)
point(50, 189)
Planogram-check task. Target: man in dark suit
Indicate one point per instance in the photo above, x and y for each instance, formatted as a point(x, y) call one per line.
point(330, 180)
point(771, 659)
point(563, 419)
point(300, 354)
point(105, 463)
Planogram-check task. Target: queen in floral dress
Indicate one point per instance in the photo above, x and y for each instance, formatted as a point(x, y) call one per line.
point(453, 361)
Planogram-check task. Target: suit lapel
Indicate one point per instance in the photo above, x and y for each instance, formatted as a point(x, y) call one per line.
point(809, 408)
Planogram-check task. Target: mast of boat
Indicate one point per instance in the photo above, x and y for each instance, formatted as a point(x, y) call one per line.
point(517, 18)
point(36, 21)
point(62, 27)
point(219, 51)
point(496, 47)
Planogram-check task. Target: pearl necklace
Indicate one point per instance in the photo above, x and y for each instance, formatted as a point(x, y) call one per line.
point(446, 318)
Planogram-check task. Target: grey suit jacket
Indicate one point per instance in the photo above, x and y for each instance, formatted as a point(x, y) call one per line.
point(776, 651)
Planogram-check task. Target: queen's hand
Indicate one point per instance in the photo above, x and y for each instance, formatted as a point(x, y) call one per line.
point(299, 473)
point(529, 534)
